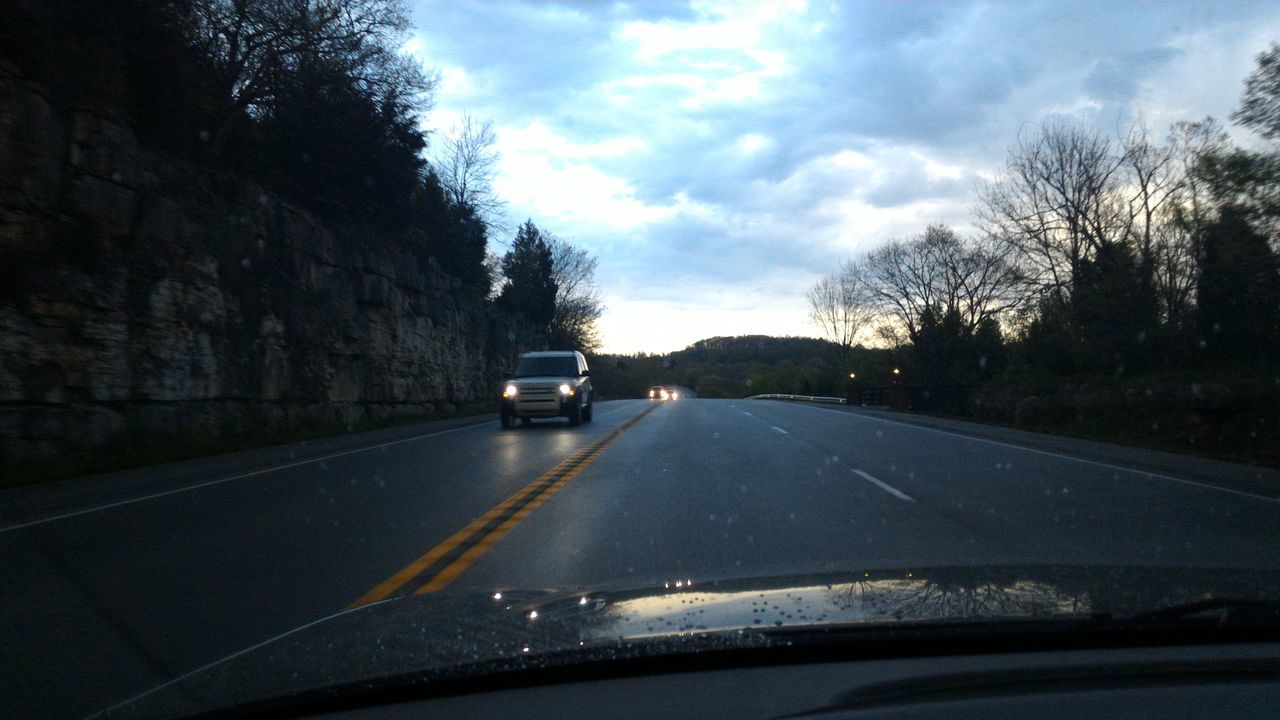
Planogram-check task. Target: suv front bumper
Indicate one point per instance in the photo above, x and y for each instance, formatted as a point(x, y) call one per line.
point(535, 407)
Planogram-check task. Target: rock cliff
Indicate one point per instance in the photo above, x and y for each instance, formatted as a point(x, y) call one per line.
point(140, 295)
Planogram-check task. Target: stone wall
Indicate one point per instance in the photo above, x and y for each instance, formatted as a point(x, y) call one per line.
point(141, 295)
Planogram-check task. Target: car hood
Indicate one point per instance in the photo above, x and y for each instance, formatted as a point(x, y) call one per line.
point(541, 379)
point(452, 635)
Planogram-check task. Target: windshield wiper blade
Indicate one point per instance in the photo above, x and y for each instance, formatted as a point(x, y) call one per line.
point(1227, 611)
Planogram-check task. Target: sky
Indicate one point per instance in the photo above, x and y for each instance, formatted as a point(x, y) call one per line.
point(719, 157)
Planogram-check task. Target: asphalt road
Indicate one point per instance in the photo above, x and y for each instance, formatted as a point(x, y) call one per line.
point(111, 585)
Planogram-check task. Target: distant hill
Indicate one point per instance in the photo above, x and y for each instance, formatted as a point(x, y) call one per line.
point(738, 366)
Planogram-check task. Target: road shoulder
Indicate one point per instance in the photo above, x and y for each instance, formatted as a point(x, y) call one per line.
point(1232, 476)
point(28, 503)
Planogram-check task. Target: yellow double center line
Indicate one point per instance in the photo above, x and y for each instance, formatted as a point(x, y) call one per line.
point(476, 538)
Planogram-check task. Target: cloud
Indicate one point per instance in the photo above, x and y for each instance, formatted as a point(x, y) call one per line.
point(720, 156)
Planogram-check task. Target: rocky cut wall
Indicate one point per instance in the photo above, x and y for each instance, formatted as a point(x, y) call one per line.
point(140, 296)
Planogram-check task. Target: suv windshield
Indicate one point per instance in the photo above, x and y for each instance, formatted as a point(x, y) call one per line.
point(562, 366)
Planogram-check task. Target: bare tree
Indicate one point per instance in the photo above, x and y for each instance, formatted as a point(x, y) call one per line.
point(255, 46)
point(1152, 183)
point(1173, 267)
point(838, 305)
point(1187, 204)
point(938, 271)
point(1056, 204)
point(466, 161)
point(493, 268)
point(1191, 142)
point(578, 305)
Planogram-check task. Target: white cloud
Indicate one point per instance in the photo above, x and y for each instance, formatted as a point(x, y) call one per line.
point(542, 173)
point(752, 143)
point(454, 81)
point(724, 26)
point(718, 157)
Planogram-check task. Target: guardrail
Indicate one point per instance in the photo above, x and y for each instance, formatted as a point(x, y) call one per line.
point(803, 398)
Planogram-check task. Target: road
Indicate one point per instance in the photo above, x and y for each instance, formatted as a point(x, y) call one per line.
point(111, 585)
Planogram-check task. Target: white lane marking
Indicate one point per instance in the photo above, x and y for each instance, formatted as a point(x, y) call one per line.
point(241, 476)
point(1099, 463)
point(744, 412)
point(775, 427)
point(883, 486)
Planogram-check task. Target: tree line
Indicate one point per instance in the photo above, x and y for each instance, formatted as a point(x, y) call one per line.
point(1092, 255)
point(318, 101)
point(734, 367)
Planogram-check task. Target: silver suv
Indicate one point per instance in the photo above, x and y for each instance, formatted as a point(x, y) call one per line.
point(552, 383)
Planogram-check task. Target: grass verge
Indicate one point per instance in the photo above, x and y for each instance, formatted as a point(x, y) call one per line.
point(1222, 416)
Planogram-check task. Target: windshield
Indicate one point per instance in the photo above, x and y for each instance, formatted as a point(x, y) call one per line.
point(972, 307)
point(563, 366)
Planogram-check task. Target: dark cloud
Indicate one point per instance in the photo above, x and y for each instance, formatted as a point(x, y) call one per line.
point(902, 185)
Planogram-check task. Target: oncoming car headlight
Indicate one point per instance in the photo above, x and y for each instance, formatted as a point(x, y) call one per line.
point(565, 389)
point(510, 391)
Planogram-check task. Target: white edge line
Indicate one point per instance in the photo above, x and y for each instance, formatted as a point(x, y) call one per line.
point(884, 486)
point(1099, 463)
point(241, 476)
point(263, 471)
point(775, 427)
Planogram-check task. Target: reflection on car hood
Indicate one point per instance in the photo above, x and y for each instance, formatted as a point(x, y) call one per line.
point(458, 634)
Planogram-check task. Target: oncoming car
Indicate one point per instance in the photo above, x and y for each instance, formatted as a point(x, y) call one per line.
point(659, 392)
point(547, 384)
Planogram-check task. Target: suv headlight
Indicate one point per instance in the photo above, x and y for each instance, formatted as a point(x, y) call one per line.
point(565, 389)
point(510, 391)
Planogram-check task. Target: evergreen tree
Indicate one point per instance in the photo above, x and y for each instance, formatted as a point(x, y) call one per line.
point(1114, 310)
point(530, 287)
point(1239, 289)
